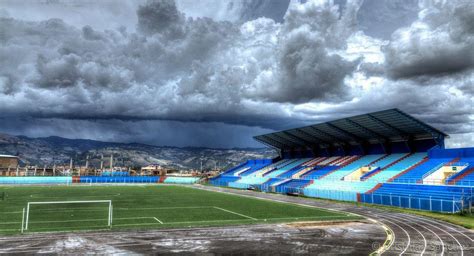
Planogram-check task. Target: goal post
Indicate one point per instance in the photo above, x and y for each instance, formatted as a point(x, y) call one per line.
point(26, 215)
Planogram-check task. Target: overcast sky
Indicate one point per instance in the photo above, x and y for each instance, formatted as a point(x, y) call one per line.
point(217, 72)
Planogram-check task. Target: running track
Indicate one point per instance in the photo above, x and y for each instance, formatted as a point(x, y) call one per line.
point(412, 234)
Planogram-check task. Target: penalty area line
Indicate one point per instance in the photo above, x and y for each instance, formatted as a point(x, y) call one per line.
point(236, 213)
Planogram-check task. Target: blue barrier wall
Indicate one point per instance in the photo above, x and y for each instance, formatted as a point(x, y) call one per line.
point(35, 180)
point(119, 179)
point(95, 179)
point(451, 153)
point(181, 180)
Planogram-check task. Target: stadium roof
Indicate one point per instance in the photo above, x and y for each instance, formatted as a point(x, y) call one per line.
point(377, 127)
point(7, 156)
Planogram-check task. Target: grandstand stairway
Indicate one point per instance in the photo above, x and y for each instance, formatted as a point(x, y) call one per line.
point(293, 164)
point(466, 173)
point(385, 163)
point(292, 186)
point(309, 166)
point(409, 169)
point(339, 174)
point(273, 167)
point(416, 174)
point(397, 167)
point(342, 164)
point(162, 179)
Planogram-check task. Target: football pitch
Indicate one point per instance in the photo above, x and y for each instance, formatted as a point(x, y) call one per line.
point(141, 207)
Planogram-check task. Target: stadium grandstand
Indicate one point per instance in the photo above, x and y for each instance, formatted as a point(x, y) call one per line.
point(386, 157)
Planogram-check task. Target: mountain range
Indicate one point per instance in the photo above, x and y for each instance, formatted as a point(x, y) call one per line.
point(59, 151)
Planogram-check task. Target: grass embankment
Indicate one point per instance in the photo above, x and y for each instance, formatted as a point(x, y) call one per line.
point(465, 220)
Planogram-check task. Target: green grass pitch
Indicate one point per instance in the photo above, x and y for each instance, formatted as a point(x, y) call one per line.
point(144, 207)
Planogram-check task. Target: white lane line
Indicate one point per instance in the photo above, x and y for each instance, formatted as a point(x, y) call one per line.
point(326, 207)
point(408, 235)
point(442, 223)
point(424, 239)
point(439, 238)
point(236, 213)
point(319, 207)
point(390, 234)
point(442, 230)
point(158, 220)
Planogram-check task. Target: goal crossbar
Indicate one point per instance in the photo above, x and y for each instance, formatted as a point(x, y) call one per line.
point(27, 215)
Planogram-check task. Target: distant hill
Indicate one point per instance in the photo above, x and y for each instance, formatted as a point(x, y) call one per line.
point(49, 150)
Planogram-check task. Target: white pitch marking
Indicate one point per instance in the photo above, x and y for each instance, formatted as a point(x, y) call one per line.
point(236, 213)
point(165, 208)
point(200, 187)
point(158, 220)
point(101, 209)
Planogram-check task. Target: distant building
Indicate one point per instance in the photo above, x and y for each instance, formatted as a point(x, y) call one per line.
point(153, 169)
point(7, 161)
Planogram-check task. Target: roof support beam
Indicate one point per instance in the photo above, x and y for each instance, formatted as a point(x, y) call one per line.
point(280, 135)
point(346, 133)
point(307, 143)
point(271, 141)
point(433, 132)
point(318, 131)
point(311, 137)
point(268, 144)
point(396, 130)
point(379, 136)
point(283, 141)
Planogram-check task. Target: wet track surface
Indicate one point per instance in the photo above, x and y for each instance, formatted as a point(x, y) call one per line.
point(268, 239)
point(412, 234)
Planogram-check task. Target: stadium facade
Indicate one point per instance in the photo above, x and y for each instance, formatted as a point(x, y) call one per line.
point(386, 157)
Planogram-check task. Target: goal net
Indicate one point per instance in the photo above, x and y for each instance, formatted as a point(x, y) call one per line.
point(67, 215)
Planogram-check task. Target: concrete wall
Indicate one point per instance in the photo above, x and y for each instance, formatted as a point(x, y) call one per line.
point(5, 162)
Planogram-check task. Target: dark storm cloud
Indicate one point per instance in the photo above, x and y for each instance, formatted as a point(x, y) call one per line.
point(440, 42)
point(372, 69)
point(380, 18)
point(152, 132)
point(178, 73)
point(235, 10)
point(308, 70)
point(176, 68)
point(264, 8)
point(433, 106)
point(159, 17)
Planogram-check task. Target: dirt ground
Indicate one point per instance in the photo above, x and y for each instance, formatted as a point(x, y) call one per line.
point(351, 238)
